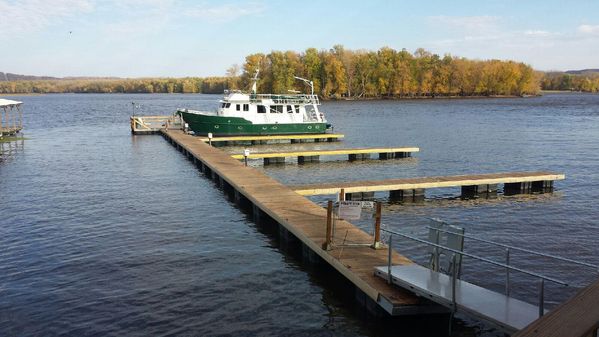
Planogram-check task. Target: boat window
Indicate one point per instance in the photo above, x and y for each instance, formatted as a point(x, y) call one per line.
point(224, 105)
point(279, 109)
point(289, 109)
point(297, 109)
point(238, 107)
point(228, 105)
point(276, 109)
point(246, 107)
point(261, 109)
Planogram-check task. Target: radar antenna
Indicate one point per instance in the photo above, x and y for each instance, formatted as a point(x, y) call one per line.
point(310, 83)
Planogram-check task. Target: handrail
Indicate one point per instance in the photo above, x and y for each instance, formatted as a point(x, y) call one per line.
point(478, 258)
point(516, 248)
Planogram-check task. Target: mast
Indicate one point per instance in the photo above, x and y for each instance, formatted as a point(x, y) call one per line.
point(255, 84)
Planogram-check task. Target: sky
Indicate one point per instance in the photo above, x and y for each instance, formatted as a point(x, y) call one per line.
point(178, 38)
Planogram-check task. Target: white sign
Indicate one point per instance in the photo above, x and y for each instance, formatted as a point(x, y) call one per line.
point(368, 204)
point(350, 210)
point(210, 135)
point(246, 152)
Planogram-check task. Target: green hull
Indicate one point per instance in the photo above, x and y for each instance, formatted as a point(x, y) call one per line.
point(235, 126)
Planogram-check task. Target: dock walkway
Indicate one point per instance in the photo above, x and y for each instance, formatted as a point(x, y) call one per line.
point(514, 182)
point(314, 155)
point(577, 317)
point(306, 221)
point(508, 313)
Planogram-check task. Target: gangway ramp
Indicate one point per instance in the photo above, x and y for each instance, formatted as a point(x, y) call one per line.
point(506, 312)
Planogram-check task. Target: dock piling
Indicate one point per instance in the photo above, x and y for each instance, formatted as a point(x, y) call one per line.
point(329, 227)
point(377, 226)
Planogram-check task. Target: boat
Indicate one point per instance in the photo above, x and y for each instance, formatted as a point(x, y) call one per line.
point(241, 113)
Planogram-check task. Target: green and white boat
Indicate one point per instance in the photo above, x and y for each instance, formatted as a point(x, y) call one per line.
point(242, 113)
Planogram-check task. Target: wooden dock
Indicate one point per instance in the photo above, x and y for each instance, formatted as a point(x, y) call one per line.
point(577, 317)
point(471, 185)
point(141, 125)
point(305, 221)
point(232, 140)
point(314, 155)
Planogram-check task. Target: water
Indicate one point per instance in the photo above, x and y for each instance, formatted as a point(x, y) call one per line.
point(104, 233)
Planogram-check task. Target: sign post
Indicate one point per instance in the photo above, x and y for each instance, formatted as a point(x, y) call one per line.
point(210, 138)
point(377, 227)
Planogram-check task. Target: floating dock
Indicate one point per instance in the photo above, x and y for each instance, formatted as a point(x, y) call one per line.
point(314, 155)
point(300, 219)
point(413, 188)
point(577, 317)
point(254, 140)
point(143, 125)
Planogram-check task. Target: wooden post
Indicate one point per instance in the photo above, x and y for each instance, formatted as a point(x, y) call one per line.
point(327, 243)
point(377, 227)
point(20, 116)
point(342, 195)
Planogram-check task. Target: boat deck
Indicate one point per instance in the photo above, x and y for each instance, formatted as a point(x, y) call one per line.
point(330, 137)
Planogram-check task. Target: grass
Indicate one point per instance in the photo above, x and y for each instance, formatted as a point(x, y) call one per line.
point(11, 139)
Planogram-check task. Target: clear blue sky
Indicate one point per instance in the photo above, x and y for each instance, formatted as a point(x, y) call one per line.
point(137, 38)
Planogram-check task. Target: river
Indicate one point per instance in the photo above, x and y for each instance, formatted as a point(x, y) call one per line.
point(105, 233)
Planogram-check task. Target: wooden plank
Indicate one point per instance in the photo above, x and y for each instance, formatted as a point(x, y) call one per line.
point(577, 317)
point(273, 137)
point(306, 221)
point(425, 182)
point(332, 152)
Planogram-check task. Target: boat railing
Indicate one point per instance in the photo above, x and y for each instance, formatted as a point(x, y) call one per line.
point(285, 99)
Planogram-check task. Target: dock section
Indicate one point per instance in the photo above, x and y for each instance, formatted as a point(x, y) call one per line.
point(142, 125)
point(413, 188)
point(11, 117)
point(305, 221)
point(577, 317)
point(314, 155)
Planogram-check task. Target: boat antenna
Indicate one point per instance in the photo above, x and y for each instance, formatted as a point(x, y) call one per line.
point(255, 85)
point(310, 83)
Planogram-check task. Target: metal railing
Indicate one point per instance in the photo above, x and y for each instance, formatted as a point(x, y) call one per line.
point(286, 99)
point(542, 278)
point(509, 248)
point(556, 257)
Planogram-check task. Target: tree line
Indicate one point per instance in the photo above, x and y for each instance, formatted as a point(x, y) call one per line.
point(344, 73)
point(586, 82)
point(341, 73)
point(209, 85)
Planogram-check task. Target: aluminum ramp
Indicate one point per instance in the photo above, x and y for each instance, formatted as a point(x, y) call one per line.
point(506, 312)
